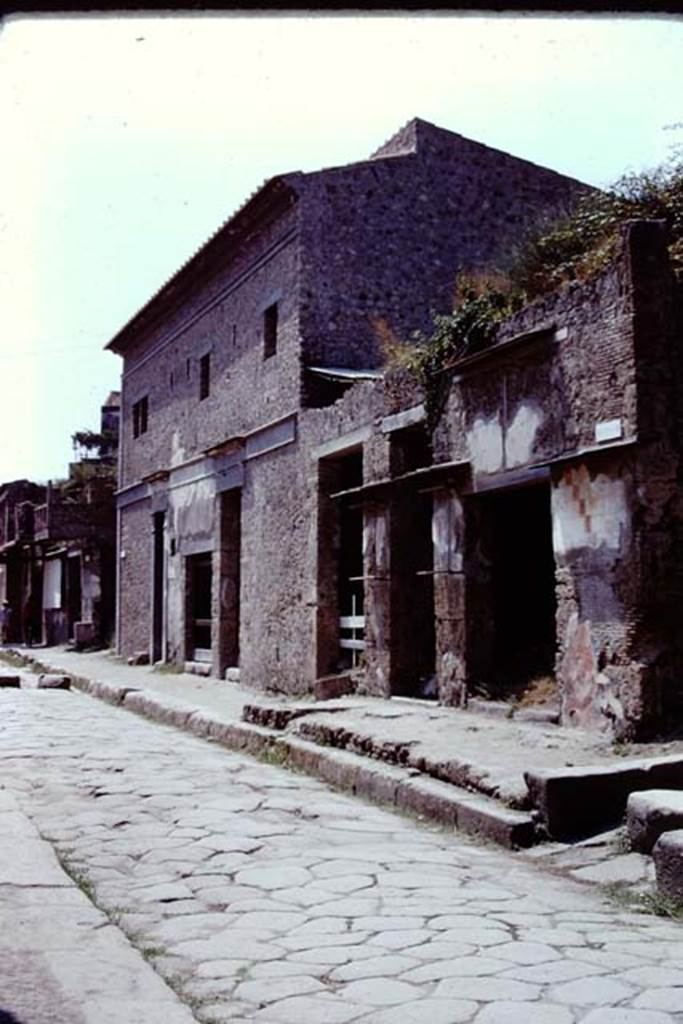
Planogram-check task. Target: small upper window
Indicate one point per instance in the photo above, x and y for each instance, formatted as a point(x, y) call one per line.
point(140, 410)
point(270, 331)
point(205, 376)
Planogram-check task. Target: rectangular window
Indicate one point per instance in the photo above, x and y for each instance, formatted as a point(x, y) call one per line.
point(270, 331)
point(140, 417)
point(204, 376)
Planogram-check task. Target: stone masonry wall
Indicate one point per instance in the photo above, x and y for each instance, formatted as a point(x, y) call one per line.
point(135, 569)
point(545, 399)
point(246, 389)
point(385, 238)
point(277, 617)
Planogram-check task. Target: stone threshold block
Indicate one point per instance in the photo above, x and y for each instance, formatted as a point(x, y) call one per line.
point(668, 858)
point(197, 668)
point(11, 680)
point(650, 813)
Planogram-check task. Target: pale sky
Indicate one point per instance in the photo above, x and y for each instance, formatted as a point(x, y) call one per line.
point(129, 139)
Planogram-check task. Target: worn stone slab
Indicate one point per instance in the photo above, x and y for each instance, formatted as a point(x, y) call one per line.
point(668, 857)
point(112, 693)
point(28, 860)
point(626, 868)
point(577, 801)
point(651, 812)
point(161, 709)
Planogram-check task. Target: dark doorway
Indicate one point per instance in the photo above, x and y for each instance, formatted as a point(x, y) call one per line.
point(199, 580)
point(229, 606)
point(511, 613)
point(158, 587)
point(413, 642)
point(73, 593)
point(350, 586)
point(341, 606)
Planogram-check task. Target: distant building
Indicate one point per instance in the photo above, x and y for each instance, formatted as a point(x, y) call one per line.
point(57, 563)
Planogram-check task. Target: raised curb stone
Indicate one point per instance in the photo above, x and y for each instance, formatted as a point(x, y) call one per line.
point(651, 812)
point(668, 858)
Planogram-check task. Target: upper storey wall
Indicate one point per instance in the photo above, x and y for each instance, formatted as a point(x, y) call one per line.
point(386, 238)
point(223, 318)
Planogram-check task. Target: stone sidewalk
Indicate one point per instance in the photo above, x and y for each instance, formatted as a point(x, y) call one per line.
point(259, 895)
point(60, 958)
point(461, 767)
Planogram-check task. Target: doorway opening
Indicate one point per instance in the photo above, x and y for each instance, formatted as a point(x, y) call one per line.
point(413, 639)
point(158, 588)
point(229, 604)
point(73, 593)
point(511, 586)
point(199, 590)
point(341, 592)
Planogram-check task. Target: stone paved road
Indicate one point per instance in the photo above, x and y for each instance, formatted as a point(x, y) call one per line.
point(262, 896)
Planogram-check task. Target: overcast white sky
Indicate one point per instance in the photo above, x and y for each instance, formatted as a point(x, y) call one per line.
point(127, 140)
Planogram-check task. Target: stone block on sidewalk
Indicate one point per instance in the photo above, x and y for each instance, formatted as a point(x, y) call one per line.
point(10, 679)
point(139, 658)
point(47, 681)
point(331, 687)
point(651, 812)
point(668, 858)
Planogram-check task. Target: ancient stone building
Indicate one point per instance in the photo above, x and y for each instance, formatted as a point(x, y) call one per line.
point(283, 510)
point(57, 564)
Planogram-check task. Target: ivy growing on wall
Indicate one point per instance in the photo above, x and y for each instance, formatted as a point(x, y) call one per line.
point(573, 248)
point(580, 245)
point(481, 303)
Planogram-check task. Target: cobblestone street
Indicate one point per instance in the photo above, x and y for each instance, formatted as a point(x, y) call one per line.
point(261, 895)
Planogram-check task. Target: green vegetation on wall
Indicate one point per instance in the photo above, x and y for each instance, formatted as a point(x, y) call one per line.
point(573, 248)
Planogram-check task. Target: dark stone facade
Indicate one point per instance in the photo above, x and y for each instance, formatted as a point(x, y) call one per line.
point(297, 537)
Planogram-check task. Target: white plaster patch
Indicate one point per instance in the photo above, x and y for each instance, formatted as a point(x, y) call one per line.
point(445, 522)
point(589, 513)
point(485, 441)
point(177, 450)
point(193, 508)
point(521, 434)
point(175, 607)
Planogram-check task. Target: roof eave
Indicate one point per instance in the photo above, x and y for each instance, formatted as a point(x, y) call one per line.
point(258, 208)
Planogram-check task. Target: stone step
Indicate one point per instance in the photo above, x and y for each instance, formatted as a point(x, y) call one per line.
point(279, 717)
point(435, 790)
point(412, 792)
point(584, 800)
point(651, 812)
point(339, 735)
